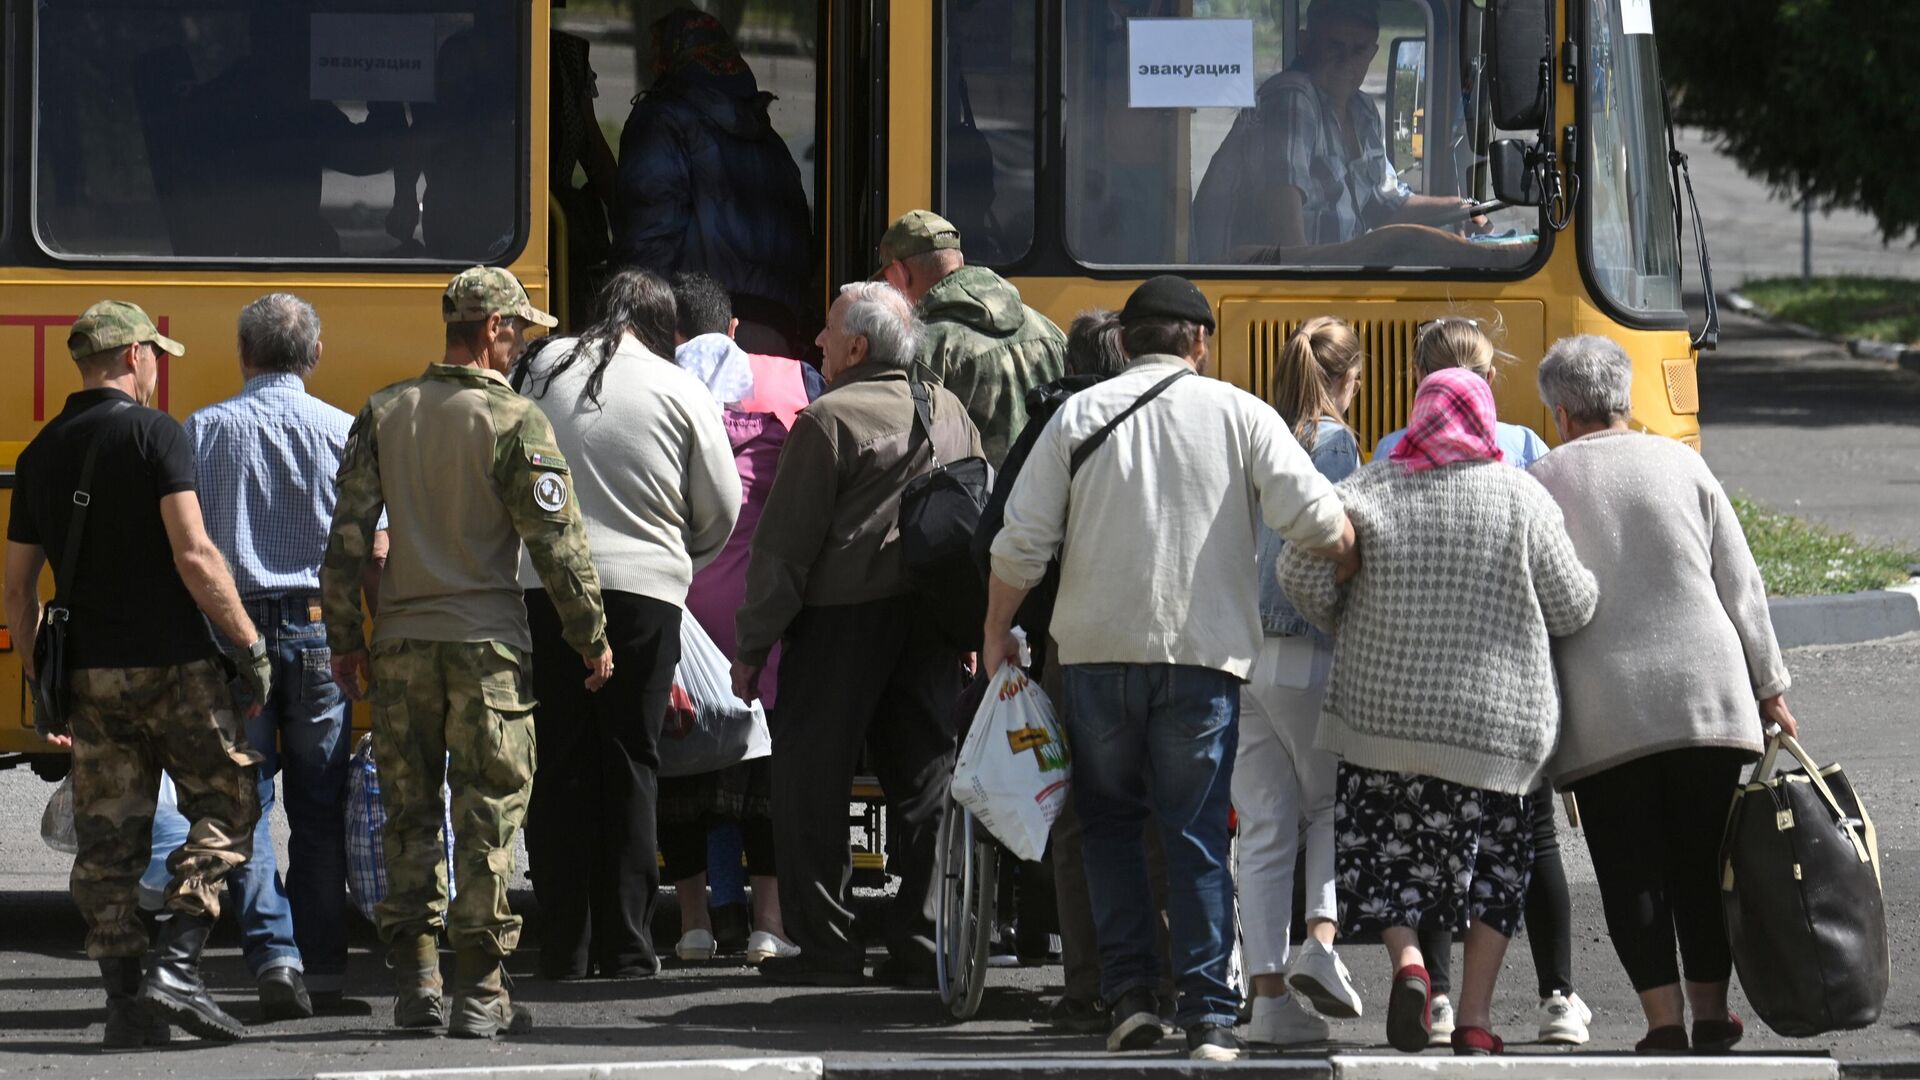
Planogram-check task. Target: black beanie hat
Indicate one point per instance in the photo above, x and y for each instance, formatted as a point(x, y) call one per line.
point(1168, 296)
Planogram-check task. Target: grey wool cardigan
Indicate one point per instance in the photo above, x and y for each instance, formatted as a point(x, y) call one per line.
point(1441, 661)
point(1682, 643)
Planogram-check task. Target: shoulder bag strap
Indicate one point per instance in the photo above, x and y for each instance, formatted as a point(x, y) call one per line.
point(82, 497)
point(1085, 450)
point(922, 412)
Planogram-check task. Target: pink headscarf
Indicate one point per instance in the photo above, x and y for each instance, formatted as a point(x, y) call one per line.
point(1453, 420)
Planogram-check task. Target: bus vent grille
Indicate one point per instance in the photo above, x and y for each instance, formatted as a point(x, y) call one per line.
point(1386, 382)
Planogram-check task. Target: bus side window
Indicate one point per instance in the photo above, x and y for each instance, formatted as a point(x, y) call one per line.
point(991, 129)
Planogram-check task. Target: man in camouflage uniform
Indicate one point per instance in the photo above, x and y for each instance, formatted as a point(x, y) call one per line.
point(147, 686)
point(982, 343)
point(466, 470)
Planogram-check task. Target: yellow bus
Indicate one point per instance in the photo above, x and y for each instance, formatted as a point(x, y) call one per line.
point(191, 155)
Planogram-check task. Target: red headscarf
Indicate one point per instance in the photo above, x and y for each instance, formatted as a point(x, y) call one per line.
point(1453, 420)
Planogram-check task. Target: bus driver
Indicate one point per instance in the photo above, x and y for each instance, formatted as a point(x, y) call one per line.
point(1319, 135)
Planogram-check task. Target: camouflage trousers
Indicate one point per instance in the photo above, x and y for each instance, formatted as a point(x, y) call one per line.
point(128, 725)
point(462, 710)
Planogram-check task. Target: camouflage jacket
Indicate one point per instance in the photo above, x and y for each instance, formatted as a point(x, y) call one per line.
point(467, 470)
point(989, 349)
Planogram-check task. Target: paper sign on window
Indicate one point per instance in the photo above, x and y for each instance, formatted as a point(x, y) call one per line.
point(1636, 16)
point(1189, 63)
point(359, 57)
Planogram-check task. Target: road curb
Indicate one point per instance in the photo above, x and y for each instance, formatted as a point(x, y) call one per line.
point(1846, 619)
point(1587, 1067)
point(1900, 356)
point(780, 1068)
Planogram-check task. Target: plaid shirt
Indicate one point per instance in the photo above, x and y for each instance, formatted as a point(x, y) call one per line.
point(266, 460)
point(1303, 148)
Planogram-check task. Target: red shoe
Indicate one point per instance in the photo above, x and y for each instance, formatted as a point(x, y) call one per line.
point(1476, 1042)
point(1410, 1010)
point(1717, 1036)
point(1667, 1039)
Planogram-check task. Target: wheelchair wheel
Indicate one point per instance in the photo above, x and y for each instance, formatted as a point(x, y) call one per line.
point(963, 926)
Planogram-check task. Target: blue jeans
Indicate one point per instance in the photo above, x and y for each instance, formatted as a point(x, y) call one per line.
point(302, 733)
point(1157, 740)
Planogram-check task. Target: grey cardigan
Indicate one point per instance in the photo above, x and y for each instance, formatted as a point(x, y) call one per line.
point(1440, 657)
point(1681, 644)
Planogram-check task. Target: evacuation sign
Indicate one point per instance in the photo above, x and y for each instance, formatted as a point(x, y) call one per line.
point(362, 57)
point(1189, 63)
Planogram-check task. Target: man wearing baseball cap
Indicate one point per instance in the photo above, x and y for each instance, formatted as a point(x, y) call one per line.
point(108, 487)
point(467, 471)
point(1144, 488)
point(982, 343)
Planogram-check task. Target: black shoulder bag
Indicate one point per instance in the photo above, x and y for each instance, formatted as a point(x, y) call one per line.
point(1085, 450)
point(52, 700)
point(939, 513)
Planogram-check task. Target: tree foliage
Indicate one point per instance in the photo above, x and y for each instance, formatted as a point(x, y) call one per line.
point(1820, 96)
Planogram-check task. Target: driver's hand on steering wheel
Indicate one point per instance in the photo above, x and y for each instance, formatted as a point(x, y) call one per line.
point(1477, 225)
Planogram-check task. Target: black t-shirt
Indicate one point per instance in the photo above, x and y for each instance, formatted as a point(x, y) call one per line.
point(130, 608)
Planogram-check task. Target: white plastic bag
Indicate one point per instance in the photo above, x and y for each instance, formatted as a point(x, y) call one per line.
point(56, 821)
point(1014, 767)
point(366, 825)
point(707, 728)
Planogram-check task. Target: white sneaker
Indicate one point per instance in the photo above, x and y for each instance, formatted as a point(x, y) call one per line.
point(1283, 1021)
point(1564, 1019)
point(1318, 973)
point(1442, 1012)
point(695, 945)
point(763, 946)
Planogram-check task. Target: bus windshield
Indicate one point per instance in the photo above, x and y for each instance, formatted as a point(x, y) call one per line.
point(301, 130)
point(1337, 135)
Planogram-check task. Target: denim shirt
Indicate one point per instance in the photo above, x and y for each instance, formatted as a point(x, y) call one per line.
point(1335, 453)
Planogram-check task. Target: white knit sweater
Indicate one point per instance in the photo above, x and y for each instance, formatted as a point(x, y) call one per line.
point(1441, 663)
point(1682, 642)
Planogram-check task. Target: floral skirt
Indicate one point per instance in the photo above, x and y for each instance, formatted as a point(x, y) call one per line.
point(1430, 854)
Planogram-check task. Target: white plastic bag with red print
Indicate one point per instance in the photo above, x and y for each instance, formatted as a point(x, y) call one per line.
point(1014, 767)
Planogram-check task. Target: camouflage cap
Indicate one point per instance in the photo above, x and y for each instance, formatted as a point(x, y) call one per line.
point(116, 324)
point(916, 233)
point(489, 290)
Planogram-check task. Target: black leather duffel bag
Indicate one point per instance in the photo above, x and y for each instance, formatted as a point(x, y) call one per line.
point(1800, 880)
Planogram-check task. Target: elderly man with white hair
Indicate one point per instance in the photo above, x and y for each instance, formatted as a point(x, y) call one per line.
point(1664, 693)
point(861, 664)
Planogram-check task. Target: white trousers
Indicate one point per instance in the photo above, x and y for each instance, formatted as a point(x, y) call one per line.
point(1282, 792)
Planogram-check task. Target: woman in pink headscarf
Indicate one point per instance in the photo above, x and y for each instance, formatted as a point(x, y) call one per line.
point(1442, 704)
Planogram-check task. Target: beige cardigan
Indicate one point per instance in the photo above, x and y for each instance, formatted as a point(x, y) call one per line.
point(1682, 644)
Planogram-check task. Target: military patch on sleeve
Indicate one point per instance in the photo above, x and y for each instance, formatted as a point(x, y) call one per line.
point(550, 491)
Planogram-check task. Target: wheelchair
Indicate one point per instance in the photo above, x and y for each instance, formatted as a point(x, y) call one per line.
point(966, 874)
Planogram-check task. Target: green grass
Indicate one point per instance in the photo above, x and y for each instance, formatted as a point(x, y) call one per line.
point(1882, 309)
point(1800, 558)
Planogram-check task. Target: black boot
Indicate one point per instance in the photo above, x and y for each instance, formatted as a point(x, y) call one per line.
point(173, 989)
point(128, 1025)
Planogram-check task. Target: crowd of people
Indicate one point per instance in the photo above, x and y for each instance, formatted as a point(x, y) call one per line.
point(1384, 670)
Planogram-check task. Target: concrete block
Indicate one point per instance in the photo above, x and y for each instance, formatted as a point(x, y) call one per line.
point(784, 1068)
point(1846, 619)
point(1585, 1067)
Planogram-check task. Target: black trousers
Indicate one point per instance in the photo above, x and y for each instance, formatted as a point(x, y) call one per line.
point(590, 828)
point(1654, 827)
point(873, 675)
point(1549, 918)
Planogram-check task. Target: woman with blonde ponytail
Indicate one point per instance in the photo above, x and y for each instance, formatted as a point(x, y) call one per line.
point(1279, 777)
point(1450, 342)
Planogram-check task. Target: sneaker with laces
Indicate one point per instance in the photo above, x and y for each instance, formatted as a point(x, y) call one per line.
point(1214, 1042)
point(696, 945)
point(1442, 1034)
point(1136, 1021)
point(1283, 1021)
point(1318, 972)
point(1564, 1019)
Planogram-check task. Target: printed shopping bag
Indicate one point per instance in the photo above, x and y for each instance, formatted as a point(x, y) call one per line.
point(1014, 767)
point(366, 826)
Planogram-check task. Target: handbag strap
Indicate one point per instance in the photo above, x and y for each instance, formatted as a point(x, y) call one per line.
point(923, 415)
point(82, 498)
point(1085, 450)
point(1764, 773)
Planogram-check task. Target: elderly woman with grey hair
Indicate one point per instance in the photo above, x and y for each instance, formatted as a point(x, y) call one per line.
point(1665, 693)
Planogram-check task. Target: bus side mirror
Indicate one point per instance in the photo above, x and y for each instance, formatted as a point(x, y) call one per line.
point(1407, 101)
point(1522, 60)
point(1514, 180)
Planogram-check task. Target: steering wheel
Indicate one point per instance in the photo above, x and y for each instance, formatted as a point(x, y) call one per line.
point(1473, 210)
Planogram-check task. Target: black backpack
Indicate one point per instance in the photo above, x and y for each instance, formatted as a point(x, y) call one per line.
point(939, 513)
